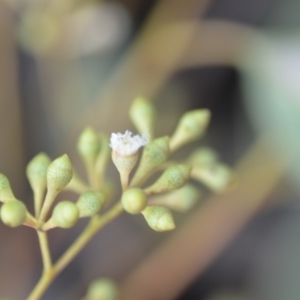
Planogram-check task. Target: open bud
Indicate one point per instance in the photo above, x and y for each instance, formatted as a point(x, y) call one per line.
point(191, 126)
point(90, 203)
point(174, 177)
point(134, 200)
point(154, 154)
point(59, 173)
point(203, 156)
point(88, 145)
point(142, 115)
point(125, 153)
point(159, 218)
point(65, 214)
point(218, 177)
point(102, 288)
point(181, 200)
point(13, 213)
point(6, 193)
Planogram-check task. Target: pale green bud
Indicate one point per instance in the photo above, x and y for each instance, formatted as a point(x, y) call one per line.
point(103, 157)
point(142, 114)
point(65, 214)
point(203, 156)
point(218, 177)
point(174, 177)
point(90, 203)
point(191, 126)
point(6, 193)
point(159, 218)
point(36, 171)
point(59, 173)
point(134, 200)
point(181, 200)
point(103, 289)
point(154, 154)
point(88, 144)
point(13, 213)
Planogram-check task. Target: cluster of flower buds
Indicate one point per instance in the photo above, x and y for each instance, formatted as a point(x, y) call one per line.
point(170, 190)
point(152, 188)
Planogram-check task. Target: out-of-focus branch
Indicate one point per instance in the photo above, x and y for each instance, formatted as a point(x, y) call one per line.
point(174, 265)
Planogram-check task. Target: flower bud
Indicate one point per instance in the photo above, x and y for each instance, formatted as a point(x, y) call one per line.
point(181, 200)
point(217, 177)
point(13, 213)
point(142, 115)
point(103, 158)
point(88, 144)
point(191, 126)
point(203, 156)
point(134, 200)
point(6, 193)
point(125, 152)
point(59, 173)
point(174, 177)
point(159, 218)
point(154, 154)
point(103, 288)
point(90, 203)
point(65, 214)
point(36, 171)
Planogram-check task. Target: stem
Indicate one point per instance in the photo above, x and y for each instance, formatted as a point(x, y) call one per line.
point(50, 197)
point(38, 201)
point(43, 240)
point(50, 272)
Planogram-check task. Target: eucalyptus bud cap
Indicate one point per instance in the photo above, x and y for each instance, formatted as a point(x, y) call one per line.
point(191, 126)
point(65, 214)
point(218, 177)
point(6, 193)
point(88, 144)
point(59, 173)
point(181, 200)
point(36, 171)
point(174, 177)
point(90, 203)
point(103, 288)
point(159, 218)
point(203, 156)
point(154, 154)
point(13, 213)
point(134, 200)
point(142, 114)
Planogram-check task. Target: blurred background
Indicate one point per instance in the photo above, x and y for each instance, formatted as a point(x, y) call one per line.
point(66, 64)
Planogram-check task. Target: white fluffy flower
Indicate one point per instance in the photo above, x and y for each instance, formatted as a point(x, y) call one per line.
point(127, 144)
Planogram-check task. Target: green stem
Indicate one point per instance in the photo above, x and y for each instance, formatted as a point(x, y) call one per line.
point(43, 240)
point(95, 224)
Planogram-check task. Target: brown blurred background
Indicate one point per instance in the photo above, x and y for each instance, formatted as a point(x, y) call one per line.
point(66, 64)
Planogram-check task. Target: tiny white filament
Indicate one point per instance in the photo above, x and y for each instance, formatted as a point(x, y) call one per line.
point(127, 144)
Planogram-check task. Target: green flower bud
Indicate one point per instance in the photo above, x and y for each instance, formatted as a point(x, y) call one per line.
point(174, 177)
point(90, 203)
point(88, 144)
point(217, 177)
point(142, 114)
point(191, 126)
point(36, 171)
point(6, 193)
point(65, 214)
point(203, 156)
point(154, 154)
point(103, 157)
point(159, 218)
point(181, 200)
point(134, 200)
point(103, 289)
point(59, 173)
point(13, 213)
